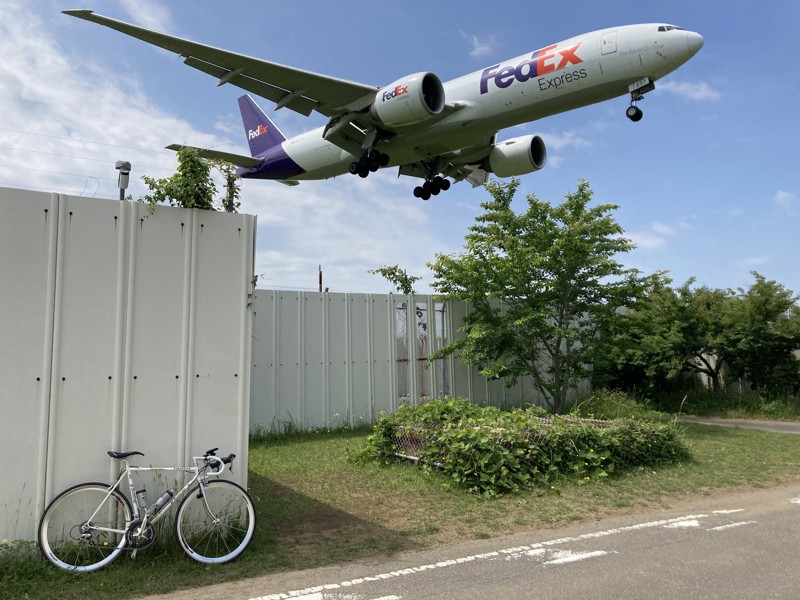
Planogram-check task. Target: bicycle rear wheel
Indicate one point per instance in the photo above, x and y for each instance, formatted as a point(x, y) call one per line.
point(83, 528)
point(215, 526)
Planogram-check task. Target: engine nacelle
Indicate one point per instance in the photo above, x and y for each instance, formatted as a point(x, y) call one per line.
point(409, 100)
point(518, 156)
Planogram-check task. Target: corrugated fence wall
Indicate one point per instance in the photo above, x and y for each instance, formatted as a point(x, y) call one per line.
point(331, 359)
point(119, 330)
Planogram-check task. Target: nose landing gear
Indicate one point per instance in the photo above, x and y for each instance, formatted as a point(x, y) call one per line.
point(638, 89)
point(634, 113)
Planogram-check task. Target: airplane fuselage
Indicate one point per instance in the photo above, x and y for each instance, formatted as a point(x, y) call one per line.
point(577, 72)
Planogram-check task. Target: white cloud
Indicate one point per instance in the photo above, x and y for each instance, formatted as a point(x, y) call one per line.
point(752, 262)
point(699, 90)
point(556, 142)
point(150, 14)
point(480, 46)
point(67, 119)
point(348, 225)
point(656, 235)
point(646, 240)
point(662, 229)
point(566, 139)
point(786, 200)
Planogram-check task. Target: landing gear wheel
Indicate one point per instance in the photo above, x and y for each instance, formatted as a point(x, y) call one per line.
point(634, 113)
point(432, 187)
point(369, 162)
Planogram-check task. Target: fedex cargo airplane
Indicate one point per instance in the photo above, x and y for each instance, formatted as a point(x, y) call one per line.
point(431, 130)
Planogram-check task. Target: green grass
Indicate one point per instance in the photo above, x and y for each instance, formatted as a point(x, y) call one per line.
point(732, 405)
point(315, 508)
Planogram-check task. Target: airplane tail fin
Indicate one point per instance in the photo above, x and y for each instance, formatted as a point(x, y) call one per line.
point(262, 134)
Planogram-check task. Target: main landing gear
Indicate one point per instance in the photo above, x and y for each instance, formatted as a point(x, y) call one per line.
point(369, 163)
point(432, 187)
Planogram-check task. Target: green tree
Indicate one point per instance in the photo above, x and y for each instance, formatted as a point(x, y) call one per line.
point(539, 285)
point(398, 277)
point(670, 331)
point(763, 327)
point(192, 186)
point(751, 334)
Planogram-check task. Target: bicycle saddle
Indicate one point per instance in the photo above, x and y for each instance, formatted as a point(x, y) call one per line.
point(113, 454)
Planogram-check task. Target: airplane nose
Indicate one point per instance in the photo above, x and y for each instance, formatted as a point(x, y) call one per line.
point(694, 41)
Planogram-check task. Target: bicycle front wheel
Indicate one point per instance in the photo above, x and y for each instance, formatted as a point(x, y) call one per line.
point(215, 525)
point(83, 528)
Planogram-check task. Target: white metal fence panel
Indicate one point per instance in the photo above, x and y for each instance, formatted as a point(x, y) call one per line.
point(27, 278)
point(329, 360)
point(120, 329)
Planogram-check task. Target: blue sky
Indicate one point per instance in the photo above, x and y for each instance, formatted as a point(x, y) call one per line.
point(707, 183)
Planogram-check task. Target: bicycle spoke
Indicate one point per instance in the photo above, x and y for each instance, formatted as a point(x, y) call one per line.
point(83, 529)
point(216, 526)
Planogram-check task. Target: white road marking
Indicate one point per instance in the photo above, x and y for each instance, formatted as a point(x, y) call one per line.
point(795, 501)
point(679, 524)
point(567, 556)
point(532, 551)
point(731, 525)
point(728, 512)
point(323, 596)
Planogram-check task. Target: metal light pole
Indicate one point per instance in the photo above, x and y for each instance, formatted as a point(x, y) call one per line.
point(124, 169)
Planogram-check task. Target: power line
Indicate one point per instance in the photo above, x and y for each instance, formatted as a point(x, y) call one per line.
point(78, 157)
point(54, 172)
point(58, 137)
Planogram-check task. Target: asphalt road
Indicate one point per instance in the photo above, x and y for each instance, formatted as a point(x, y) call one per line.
point(735, 546)
point(773, 426)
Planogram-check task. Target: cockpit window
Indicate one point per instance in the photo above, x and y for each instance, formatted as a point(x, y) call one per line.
point(669, 28)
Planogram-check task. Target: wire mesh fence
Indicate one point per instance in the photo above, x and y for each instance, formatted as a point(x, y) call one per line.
point(411, 440)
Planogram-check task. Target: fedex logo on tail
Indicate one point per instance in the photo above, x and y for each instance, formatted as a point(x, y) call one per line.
point(254, 133)
point(540, 63)
point(398, 91)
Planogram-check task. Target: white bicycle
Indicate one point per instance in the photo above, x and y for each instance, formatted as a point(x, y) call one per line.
point(89, 525)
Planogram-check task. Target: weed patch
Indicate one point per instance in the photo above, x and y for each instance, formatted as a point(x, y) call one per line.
point(492, 452)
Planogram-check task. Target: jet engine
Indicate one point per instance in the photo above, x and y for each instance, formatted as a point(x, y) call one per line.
point(409, 100)
point(518, 156)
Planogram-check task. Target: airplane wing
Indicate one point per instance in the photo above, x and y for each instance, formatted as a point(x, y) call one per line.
point(299, 90)
point(240, 160)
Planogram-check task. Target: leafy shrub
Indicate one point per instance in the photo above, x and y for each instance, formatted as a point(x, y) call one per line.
point(492, 452)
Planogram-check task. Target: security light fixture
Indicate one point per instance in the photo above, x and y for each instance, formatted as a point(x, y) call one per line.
point(124, 169)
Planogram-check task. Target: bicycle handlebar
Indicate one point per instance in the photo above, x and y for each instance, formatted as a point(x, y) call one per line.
point(227, 460)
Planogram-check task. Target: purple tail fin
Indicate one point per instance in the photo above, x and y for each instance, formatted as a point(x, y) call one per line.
point(262, 134)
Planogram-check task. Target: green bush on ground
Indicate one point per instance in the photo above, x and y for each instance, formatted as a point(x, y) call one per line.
point(491, 452)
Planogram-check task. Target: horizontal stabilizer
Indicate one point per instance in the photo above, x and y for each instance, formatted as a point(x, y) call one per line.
point(240, 160)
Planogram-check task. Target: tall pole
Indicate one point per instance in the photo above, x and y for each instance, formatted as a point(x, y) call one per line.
point(124, 169)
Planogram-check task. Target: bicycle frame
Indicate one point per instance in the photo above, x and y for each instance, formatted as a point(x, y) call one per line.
point(127, 471)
